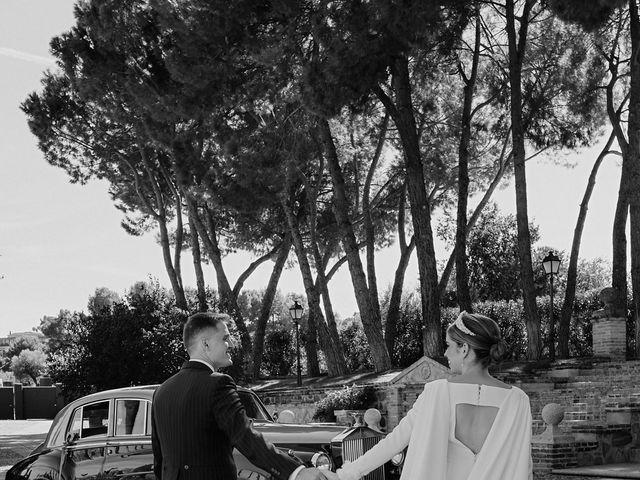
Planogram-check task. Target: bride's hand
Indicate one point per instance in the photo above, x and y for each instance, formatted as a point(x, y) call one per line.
point(330, 475)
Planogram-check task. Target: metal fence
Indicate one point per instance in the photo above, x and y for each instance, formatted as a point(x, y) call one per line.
point(21, 403)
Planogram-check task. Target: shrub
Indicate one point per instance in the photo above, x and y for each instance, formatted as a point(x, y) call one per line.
point(347, 398)
point(279, 357)
point(407, 348)
point(356, 347)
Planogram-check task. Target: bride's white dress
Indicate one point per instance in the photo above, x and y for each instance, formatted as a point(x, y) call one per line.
point(434, 450)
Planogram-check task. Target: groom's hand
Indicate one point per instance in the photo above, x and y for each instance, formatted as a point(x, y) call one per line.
point(310, 474)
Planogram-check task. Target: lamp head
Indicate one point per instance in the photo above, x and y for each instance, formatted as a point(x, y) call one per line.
point(551, 264)
point(296, 310)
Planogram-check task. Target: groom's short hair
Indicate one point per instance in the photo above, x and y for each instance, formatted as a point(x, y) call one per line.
point(198, 322)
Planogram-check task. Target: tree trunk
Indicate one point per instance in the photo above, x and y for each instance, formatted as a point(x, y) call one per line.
point(327, 332)
point(310, 340)
point(173, 271)
point(369, 316)
point(618, 234)
point(393, 314)
point(197, 266)
point(572, 271)
point(393, 310)
point(635, 272)
point(446, 273)
point(179, 241)
point(517, 48)
point(369, 230)
point(267, 303)
point(619, 247)
point(313, 300)
point(176, 283)
point(462, 272)
point(633, 180)
point(404, 118)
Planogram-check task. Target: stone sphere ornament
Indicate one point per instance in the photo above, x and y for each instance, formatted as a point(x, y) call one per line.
point(553, 413)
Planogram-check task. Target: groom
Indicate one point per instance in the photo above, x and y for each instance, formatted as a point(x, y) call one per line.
point(198, 418)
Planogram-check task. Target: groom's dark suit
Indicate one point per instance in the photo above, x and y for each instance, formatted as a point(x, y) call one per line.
point(197, 420)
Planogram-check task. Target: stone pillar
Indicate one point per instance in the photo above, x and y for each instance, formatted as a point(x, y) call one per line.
point(609, 328)
point(552, 449)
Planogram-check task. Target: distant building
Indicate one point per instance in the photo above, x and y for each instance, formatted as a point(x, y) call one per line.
point(9, 340)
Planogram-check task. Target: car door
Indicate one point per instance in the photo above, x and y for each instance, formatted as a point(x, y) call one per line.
point(128, 451)
point(84, 449)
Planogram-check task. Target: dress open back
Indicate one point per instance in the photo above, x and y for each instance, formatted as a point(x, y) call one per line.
point(487, 400)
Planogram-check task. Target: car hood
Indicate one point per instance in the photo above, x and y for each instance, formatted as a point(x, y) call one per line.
point(290, 433)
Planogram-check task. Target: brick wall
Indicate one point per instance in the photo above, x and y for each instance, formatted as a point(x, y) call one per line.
point(609, 337)
point(605, 385)
point(301, 401)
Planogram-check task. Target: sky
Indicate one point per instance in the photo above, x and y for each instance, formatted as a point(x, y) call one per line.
point(60, 241)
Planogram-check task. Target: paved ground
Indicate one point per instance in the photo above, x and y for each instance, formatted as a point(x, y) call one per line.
point(18, 438)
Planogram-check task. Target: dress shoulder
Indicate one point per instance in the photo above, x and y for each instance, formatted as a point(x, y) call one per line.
point(434, 387)
point(518, 391)
point(434, 384)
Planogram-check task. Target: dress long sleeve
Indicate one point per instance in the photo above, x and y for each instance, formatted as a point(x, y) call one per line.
point(383, 451)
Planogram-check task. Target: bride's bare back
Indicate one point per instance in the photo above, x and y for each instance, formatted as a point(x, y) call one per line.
point(473, 424)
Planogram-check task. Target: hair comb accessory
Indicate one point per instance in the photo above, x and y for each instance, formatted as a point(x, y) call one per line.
point(459, 323)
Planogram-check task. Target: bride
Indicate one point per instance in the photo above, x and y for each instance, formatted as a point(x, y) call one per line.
point(469, 427)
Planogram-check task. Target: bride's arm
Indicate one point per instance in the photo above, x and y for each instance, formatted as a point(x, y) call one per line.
point(384, 450)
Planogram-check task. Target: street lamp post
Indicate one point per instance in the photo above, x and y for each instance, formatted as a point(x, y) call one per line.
point(551, 264)
point(296, 314)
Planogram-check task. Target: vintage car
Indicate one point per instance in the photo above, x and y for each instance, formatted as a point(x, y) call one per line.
point(108, 435)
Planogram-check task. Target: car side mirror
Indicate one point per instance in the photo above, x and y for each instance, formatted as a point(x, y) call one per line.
point(274, 415)
point(71, 438)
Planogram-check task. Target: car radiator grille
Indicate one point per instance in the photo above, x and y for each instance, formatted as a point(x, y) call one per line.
point(356, 446)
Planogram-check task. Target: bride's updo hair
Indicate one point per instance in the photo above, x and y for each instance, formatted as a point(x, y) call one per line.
point(482, 334)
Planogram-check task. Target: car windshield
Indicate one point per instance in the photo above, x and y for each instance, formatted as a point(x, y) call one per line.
point(254, 407)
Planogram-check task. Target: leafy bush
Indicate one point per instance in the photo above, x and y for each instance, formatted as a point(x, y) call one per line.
point(279, 356)
point(356, 348)
point(408, 348)
point(510, 316)
point(135, 341)
point(348, 398)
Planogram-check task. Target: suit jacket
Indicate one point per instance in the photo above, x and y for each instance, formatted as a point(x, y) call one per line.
point(197, 420)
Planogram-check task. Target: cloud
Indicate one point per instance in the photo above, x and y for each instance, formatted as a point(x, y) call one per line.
point(28, 57)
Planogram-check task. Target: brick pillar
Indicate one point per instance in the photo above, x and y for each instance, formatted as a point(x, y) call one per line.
point(609, 329)
point(552, 449)
point(394, 406)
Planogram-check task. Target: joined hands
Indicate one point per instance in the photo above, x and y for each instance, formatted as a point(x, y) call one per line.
point(330, 475)
point(315, 474)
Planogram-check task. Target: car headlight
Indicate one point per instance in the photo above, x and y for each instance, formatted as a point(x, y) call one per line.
point(321, 461)
point(397, 459)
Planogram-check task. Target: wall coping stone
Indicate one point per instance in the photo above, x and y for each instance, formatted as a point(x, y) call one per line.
point(600, 428)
